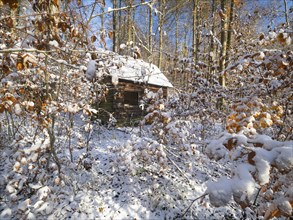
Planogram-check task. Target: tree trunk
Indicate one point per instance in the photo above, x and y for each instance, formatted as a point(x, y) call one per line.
point(194, 30)
point(198, 15)
point(118, 35)
point(177, 33)
point(129, 26)
point(223, 43)
point(222, 78)
point(230, 31)
point(115, 29)
point(132, 26)
point(161, 23)
point(286, 13)
point(150, 30)
point(102, 31)
point(212, 46)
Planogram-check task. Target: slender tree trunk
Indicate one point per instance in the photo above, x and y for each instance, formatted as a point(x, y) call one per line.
point(177, 33)
point(286, 13)
point(150, 30)
point(132, 26)
point(223, 43)
point(161, 32)
point(212, 46)
point(129, 22)
point(194, 30)
point(119, 26)
point(222, 78)
point(230, 31)
point(102, 32)
point(115, 29)
point(129, 26)
point(185, 48)
point(198, 15)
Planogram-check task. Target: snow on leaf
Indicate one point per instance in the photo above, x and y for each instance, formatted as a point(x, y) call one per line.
point(284, 161)
point(31, 216)
point(45, 208)
point(91, 70)
point(17, 109)
point(220, 192)
point(43, 192)
point(115, 79)
point(54, 43)
point(35, 186)
point(6, 213)
point(122, 46)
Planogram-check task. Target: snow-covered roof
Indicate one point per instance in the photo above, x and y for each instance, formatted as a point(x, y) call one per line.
point(136, 70)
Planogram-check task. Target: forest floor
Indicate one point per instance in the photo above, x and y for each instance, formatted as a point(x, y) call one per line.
point(103, 185)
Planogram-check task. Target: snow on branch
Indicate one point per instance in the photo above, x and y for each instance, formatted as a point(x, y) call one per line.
point(110, 10)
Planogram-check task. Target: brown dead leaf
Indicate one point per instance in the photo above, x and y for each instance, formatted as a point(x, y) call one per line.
point(231, 143)
point(222, 15)
point(102, 37)
point(63, 26)
point(9, 22)
point(93, 38)
point(56, 3)
point(41, 26)
point(262, 36)
point(250, 157)
point(5, 69)
point(13, 4)
point(110, 34)
point(2, 108)
point(19, 62)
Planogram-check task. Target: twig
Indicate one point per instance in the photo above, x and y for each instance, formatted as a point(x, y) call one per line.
point(170, 152)
point(202, 196)
point(141, 43)
point(122, 8)
point(285, 116)
point(178, 168)
point(254, 202)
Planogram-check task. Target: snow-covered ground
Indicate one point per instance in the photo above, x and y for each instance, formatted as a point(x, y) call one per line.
point(105, 184)
point(126, 174)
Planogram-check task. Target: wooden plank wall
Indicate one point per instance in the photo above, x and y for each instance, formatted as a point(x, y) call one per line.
point(115, 100)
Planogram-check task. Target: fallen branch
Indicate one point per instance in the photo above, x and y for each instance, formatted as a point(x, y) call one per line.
point(202, 196)
point(178, 168)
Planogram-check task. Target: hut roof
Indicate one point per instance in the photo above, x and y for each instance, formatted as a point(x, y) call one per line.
point(137, 70)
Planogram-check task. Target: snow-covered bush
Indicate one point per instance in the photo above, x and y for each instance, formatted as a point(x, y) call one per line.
point(262, 89)
point(252, 115)
point(261, 177)
point(146, 155)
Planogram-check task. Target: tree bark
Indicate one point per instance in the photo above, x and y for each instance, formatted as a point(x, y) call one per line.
point(161, 23)
point(212, 45)
point(223, 51)
point(230, 31)
point(222, 78)
point(129, 26)
point(150, 46)
point(194, 30)
point(115, 29)
point(119, 26)
point(286, 13)
point(198, 15)
point(177, 32)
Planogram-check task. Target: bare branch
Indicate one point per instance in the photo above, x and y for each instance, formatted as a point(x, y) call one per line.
point(122, 8)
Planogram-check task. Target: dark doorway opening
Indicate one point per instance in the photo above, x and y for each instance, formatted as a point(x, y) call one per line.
point(131, 98)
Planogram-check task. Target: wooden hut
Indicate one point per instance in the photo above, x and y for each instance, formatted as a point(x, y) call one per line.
point(127, 82)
